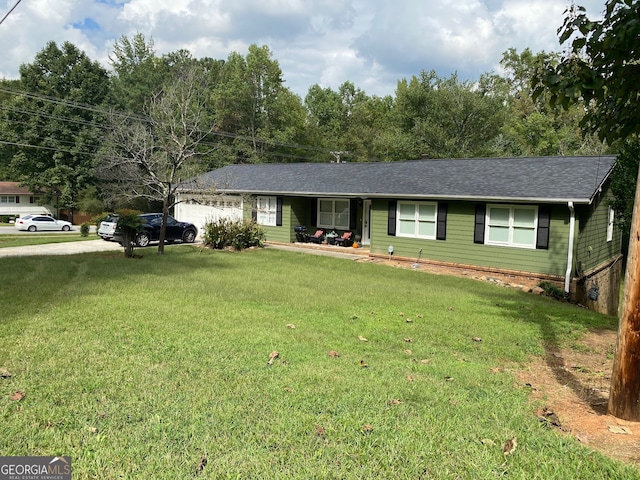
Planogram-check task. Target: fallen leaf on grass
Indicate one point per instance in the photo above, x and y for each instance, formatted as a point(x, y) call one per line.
point(408, 339)
point(451, 309)
point(4, 373)
point(510, 446)
point(419, 315)
point(425, 361)
point(401, 314)
point(360, 337)
point(409, 320)
point(448, 378)
point(363, 364)
point(367, 429)
point(17, 396)
point(201, 465)
point(291, 326)
point(395, 401)
point(476, 339)
point(333, 354)
point(407, 351)
point(272, 356)
point(409, 378)
point(487, 441)
point(618, 429)
point(320, 431)
point(354, 317)
point(92, 429)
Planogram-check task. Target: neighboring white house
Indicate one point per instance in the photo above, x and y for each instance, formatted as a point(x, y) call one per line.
point(17, 201)
point(200, 209)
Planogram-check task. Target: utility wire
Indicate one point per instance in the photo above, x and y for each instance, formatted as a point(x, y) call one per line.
point(9, 12)
point(104, 111)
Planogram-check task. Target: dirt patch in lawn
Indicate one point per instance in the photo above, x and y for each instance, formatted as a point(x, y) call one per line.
point(570, 384)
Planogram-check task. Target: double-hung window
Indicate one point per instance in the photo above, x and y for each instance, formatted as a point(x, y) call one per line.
point(8, 199)
point(333, 213)
point(513, 226)
point(267, 208)
point(417, 219)
point(611, 220)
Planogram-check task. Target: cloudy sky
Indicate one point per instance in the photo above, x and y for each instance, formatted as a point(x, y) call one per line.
point(372, 43)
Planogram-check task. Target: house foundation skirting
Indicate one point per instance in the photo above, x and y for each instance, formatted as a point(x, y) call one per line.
point(599, 288)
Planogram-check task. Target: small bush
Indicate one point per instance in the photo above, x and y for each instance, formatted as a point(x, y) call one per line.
point(552, 290)
point(4, 218)
point(84, 229)
point(225, 233)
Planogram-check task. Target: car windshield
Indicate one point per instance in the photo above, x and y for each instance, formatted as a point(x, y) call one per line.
point(111, 218)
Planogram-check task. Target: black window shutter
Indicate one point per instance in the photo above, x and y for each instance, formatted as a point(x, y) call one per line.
point(17, 198)
point(353, 213)
point(391, 221)
point(441, 227)
point(254, 209)
point(478, 231)
point(314, 213)
point(279, 211)
point(544, 222)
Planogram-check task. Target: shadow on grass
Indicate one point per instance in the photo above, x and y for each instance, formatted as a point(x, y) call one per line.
point(559, 324)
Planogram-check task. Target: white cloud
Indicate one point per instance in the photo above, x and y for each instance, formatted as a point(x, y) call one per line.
point(372, 43)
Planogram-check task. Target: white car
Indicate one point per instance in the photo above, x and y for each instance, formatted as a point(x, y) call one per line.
point(34, 223)
point(108, 226)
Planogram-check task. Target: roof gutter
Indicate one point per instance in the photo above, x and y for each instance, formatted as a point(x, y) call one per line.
point(572, 232)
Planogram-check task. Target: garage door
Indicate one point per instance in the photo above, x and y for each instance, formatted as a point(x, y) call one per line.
point(200, 210)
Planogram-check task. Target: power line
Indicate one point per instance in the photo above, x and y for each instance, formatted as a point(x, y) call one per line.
point(9, 12)
point(105, 111)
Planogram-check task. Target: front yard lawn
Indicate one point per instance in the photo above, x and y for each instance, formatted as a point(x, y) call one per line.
point(157, 368)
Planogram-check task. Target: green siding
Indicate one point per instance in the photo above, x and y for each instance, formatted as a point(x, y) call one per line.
point(592, 248)
point(281, 234)
point(459, 247)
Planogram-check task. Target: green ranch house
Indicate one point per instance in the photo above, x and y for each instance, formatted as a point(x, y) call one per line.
point(544, 217)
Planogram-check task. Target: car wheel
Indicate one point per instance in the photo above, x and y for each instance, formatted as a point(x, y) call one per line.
point(32, 228)
point(142, 240)
point(189, 236)
point(66, 228)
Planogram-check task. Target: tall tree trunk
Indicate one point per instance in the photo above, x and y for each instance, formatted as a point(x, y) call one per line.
point(624, 396)
point(163, 226)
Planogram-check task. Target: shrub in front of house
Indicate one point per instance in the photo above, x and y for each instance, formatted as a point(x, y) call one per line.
point(224, 233)
point(84, 229)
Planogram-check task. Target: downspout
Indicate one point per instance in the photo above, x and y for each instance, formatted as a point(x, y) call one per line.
point(572, 228)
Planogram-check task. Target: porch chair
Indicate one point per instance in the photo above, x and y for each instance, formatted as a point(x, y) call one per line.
point(317, 237)
point(346, 240)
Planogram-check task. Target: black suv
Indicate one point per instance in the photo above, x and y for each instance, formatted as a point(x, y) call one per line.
point(151, 224)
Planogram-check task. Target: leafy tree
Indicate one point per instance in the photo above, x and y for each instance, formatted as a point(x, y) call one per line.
point(447, 117)
point(54, 122)
point(535, 128)
point(148, 157)
point(597, 70)
point(253, 107)
point(138, 73)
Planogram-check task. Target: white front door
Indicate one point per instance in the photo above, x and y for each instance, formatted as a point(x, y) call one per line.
point(366, 222)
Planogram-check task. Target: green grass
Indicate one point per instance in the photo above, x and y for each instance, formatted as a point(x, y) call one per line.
point(20, 240)
point(139, 368)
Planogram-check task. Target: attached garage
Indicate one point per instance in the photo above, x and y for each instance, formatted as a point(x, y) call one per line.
point(202, 209)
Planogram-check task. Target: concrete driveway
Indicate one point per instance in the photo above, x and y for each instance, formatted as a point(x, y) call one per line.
point(68, 248)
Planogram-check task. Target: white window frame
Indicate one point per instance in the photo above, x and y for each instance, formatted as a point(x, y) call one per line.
point(335, 215)
point(511, 226)
point(267, 210)
point(611, 220)
point(417, 220)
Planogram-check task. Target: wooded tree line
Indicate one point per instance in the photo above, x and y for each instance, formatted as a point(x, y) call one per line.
point(67, 115)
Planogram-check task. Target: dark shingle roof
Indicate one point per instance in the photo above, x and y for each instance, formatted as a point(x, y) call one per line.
point(542, 179)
